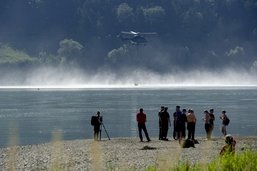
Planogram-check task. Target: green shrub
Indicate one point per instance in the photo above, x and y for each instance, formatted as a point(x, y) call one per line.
point(243, 161)
point(8, 55)
point(246, 160)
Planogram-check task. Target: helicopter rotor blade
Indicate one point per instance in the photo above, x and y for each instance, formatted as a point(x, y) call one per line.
point(133, 32)
point(148, 33)
point(138, 33)
point(126, 32)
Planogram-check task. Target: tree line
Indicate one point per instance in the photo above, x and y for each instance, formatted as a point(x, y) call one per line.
point(191, 33)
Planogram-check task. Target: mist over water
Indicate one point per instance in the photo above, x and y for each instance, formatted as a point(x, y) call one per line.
point(63, 77)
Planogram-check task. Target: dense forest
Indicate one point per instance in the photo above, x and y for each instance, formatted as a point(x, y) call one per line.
point(191, 34)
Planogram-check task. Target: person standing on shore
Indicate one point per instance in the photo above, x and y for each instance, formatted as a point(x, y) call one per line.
point(141, 120)
point(178, 123)
point(183, 124)
point(207, 124)
point(177, 116)
point(96, 121)
point(212, 119)
point(225, 122)
point(160, 122)
point(191, 121)
point(165, 119)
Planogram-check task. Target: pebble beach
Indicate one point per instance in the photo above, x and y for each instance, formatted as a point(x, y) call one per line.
point(115, 154)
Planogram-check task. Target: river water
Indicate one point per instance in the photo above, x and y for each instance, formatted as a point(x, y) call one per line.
point(31, 115)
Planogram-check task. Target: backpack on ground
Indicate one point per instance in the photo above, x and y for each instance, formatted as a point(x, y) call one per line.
point(188, 143)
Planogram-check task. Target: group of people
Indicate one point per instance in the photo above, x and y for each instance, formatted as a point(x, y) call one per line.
point(182, 120)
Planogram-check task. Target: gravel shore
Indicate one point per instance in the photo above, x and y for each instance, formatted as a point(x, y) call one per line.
point(115, 154)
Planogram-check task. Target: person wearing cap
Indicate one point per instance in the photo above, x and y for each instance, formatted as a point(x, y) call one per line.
point(230, 146)
point(141, 120)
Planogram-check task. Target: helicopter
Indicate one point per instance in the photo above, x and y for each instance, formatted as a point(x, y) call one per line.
point(134, 38)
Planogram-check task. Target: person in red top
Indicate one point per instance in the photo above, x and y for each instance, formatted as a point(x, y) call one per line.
point(141, 120)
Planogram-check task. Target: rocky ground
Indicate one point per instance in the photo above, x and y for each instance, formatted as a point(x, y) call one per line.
point(115, 154)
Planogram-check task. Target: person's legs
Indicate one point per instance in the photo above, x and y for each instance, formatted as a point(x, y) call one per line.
point(96, 132)
point(189, 128)
point(179, 136)
point(165, 130)
point(145, 131)
point(183, 131)
point(208, 130)
point(193, 131)
point(95, 136)
point(180, 132)
point(160, 133)
point(211, 129)
point(166, 133)
point(223, 130)
point(140, 132)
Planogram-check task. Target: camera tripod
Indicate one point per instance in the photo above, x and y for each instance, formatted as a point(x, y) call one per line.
point(102, 125)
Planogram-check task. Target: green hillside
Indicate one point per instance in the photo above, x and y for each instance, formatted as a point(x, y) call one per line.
point(9, 55)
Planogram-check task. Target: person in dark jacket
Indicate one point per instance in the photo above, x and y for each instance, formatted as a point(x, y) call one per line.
point(177, 116)
point(183, 123)
point(96, 121)
point(212, 119)
point(165, 121)
point(160, 113)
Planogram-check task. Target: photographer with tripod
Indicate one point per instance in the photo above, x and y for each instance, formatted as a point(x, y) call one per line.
point(97, 122)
